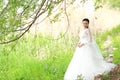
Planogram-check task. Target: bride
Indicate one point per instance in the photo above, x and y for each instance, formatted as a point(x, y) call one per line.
point(87, 61)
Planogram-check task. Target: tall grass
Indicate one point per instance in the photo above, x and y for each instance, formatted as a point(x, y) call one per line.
point(36, 58)
point(114, 34)
point(42, 58)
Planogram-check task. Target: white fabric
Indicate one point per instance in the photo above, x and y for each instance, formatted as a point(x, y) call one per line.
point(87, 60)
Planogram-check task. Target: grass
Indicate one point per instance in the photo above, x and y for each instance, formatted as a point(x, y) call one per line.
point(38, 58)
point(35, 58)
point(114, 35)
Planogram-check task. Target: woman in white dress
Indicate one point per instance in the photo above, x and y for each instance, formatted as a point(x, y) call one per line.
point(87, 61)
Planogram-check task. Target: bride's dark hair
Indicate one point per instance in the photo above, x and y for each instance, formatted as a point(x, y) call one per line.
point(85, 19)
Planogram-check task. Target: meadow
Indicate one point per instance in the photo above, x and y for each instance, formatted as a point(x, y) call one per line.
point(42, 58)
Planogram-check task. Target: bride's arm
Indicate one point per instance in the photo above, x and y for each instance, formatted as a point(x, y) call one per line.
point(88, 39)
point(80, 44)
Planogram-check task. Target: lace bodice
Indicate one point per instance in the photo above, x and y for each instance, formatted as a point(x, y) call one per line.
point(85, 36)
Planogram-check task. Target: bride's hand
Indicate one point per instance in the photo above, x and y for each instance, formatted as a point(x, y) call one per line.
point(80, 45)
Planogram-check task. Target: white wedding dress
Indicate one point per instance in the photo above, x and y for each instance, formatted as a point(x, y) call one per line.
point(87, 61)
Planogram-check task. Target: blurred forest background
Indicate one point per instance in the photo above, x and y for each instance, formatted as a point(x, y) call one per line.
point(38, 37)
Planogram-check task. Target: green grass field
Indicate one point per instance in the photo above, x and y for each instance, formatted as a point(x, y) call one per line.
point(38, 58)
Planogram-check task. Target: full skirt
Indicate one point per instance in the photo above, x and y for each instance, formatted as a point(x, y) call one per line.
point(86, 63)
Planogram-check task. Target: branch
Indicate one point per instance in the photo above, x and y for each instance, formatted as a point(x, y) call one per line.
point(29, 26)
point(3, 10)
point(68, 24)
point(38, 13)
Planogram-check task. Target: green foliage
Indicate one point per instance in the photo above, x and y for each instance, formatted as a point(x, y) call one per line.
point(36, 58)
point(17, 16)
point(79, 77)
point(115, 3)
point(106, 77)
point(115, 39)
point(111, 3)
point(39, 58)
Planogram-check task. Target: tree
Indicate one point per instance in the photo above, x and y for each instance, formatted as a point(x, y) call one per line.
point(15, 14)
point(18, 16)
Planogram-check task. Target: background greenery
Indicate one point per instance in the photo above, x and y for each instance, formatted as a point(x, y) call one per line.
point(38, 58)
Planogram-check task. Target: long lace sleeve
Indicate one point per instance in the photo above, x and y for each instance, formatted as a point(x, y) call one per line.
point(87, 38)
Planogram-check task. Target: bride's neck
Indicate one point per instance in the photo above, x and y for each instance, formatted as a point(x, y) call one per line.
point(85, 28)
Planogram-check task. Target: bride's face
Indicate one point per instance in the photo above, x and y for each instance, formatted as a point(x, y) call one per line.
point(85, 24)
